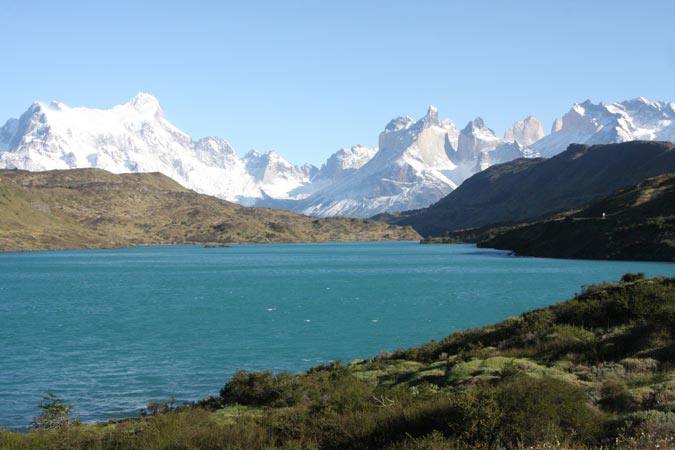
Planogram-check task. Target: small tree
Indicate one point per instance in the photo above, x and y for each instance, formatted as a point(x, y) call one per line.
point(56, 414)
point(156, 408)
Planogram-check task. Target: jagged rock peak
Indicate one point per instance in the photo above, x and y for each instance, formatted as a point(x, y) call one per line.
point(36, 107)
point(431, 118)
point(399, 123)
point(270, 155)
point(252, 154)
point(526, 132)
point(476, 124)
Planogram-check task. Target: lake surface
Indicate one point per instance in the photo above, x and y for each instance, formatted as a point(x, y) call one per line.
point(111, 330)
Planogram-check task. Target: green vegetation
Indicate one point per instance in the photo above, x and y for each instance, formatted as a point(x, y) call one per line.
point(91, 208)
point(596, 371)
point(56, 414)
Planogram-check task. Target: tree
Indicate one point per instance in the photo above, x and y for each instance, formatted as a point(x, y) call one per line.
point(56, 414)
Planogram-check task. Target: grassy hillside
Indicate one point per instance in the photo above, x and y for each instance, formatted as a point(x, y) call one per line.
point(85, 208)
point(596, 371)
point(639, 225)
point(524, 190)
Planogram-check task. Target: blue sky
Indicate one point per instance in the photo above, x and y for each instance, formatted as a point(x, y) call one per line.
point(306, 78)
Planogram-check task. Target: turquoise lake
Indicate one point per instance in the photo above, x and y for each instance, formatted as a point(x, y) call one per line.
point(111, 330)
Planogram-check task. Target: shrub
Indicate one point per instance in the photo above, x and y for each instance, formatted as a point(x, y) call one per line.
point(632, 277)
point(536, 324)
point(261, 389)
point(650, 423)
point(544, 410)
point(155, 408)
point(613, 395)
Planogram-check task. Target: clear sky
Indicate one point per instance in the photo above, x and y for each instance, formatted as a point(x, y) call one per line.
point(307, 78)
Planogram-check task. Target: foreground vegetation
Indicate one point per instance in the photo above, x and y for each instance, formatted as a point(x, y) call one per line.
point(92, 208)
point(595, 371)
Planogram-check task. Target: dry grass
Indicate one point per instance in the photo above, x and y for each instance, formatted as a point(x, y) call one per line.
point(91, 208)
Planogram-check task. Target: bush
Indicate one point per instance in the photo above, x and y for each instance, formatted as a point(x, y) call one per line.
point(632, 277)
point(614, 396)
point(155, 408)
point(261, 389)
point(544, 410)
point(654, 424)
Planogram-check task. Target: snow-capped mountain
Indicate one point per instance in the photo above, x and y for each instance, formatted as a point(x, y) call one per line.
point(410, 167)
point(588, 123)
point(345, 161)
point(136, 137)
point(416, 163)
point(275, 176)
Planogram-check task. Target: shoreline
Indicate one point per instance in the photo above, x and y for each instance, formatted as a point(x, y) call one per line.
point(203, 244)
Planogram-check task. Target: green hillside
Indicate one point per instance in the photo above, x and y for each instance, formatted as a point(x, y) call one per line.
point(90, 208)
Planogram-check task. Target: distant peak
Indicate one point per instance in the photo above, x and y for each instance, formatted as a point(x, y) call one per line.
point(525, 132)
point(478, 122)
point(36, 106)
point(145, 102)
point(56, 105)
point(252, 154)
point(431, 117)
point(142, 98)
point(580, 108)
point(477, 127)
point(400, 123)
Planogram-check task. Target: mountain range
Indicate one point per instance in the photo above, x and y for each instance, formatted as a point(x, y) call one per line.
point(528, 189)
point(416, 163)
